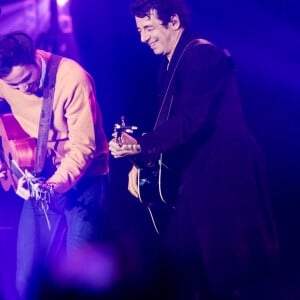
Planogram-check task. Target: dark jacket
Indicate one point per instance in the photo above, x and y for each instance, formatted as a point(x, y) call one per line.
point(223, 217)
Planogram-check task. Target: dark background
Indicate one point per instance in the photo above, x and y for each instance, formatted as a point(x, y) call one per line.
point(264, 39)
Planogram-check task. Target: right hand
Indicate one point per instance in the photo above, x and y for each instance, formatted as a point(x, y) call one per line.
point(133, 182)
point(22, 188)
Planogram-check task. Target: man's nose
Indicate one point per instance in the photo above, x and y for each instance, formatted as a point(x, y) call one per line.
point(23, 87)
point(144, 36)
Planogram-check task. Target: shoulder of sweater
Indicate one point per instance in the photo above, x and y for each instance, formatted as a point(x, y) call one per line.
point(69, 71)
point(65, 63)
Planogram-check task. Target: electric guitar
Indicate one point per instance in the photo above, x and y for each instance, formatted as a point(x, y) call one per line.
point(17, 154)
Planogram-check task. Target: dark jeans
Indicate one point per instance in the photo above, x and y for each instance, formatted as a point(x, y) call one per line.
point(76, 219)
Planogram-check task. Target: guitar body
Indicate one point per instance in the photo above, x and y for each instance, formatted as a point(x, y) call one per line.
point(15, 145)
point(157, 186)
point(149, 185)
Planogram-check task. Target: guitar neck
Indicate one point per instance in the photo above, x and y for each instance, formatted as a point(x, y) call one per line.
point(16, 170)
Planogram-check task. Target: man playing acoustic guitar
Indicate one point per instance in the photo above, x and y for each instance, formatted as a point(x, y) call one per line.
point(76, 164)
point(221, 234)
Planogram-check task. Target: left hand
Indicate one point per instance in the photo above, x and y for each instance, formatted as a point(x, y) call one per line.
point(3, 174)
point(133, 182)
point(22, 188)
point(129, 146)
point(3, 171)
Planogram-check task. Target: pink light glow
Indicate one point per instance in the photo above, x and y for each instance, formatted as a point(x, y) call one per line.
point(61, 2)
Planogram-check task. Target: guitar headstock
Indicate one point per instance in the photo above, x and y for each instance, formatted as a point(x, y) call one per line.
point(120, 128)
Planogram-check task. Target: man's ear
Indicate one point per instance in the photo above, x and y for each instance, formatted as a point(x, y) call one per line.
point(175, 22)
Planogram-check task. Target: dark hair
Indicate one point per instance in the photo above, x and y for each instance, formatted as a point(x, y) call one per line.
point(16, 49)
point(165, 10)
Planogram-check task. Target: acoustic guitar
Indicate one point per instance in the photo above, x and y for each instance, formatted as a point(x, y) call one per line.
point(17, 151)
point(17, 154)
point(157, 186)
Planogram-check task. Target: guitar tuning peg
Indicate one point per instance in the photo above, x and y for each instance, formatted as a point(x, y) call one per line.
point(122, 120)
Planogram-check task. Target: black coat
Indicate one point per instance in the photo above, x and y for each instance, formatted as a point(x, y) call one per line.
point(223, 219)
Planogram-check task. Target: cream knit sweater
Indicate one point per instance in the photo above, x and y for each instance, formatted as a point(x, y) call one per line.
point(76, 136)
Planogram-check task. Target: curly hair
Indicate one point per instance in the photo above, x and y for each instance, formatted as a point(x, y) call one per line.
point(16, 49)
point(165, 10)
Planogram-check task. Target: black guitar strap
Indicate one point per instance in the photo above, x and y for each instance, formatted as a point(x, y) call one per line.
point(46, 113)
point(167, 102)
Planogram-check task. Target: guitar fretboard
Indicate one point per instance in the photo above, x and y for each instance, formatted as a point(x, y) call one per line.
point(15, 169)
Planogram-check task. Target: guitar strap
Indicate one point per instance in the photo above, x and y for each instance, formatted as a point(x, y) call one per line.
point(167, 102)
point(46, 113)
